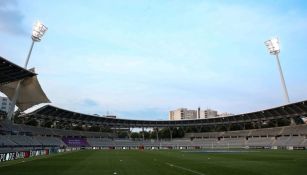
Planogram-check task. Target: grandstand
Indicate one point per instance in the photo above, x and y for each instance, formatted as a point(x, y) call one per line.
point(19, 135)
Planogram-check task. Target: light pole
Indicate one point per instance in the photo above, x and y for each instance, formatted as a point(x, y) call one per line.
point(274, 49)
point(37, 33)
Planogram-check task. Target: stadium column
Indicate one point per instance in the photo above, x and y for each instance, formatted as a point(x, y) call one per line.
point(228, 126)
point(114, 131)
point(253, 125)
point(54, 123)
point(215, 127)
point(85, 127)
point(276, 123)
point(157, 133)
point(243, 126)
point(185, 129)
point(143, 135)
point(129, 133)
point(71, 125)
point(171, 133)
point(259, 123)
point(292, 121)
point(198, 128)
point(39, 122)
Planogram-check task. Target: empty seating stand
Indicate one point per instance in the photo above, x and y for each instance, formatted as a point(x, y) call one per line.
point(19, 135)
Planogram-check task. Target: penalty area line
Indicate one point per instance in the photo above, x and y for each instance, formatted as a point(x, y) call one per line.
point(183, 168)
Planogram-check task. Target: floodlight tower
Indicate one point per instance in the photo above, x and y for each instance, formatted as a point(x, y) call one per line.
point(38, 32)
point(274, 49)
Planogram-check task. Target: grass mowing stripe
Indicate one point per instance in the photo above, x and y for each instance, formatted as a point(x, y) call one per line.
point(183, 168)
point(163, 162)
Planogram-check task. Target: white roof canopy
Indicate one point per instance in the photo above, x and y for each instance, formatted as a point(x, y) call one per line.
point(30, 93)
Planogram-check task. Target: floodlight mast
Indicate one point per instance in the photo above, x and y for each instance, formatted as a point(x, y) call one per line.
point(38, 32)
point(274, 49)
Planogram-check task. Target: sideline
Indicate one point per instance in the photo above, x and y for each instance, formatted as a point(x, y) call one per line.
point(183, 168)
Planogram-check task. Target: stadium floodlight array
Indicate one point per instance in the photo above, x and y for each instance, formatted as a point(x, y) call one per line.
point(274, 49)
point(39, 29)
point(273, 46)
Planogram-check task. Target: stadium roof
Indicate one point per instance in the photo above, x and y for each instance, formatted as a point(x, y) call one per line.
point(10, 72)
point(30, 93)
point(287, 111)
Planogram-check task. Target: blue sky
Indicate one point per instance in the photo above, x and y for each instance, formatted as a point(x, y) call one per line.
point(140, 59)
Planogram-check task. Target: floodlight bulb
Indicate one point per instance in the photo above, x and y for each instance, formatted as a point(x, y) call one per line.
point(273, 46)
point(38, 31)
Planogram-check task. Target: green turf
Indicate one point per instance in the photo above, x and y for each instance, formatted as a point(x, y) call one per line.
point(135, 162)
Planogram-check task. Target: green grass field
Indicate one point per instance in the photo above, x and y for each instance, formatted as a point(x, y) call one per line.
point(175, 162)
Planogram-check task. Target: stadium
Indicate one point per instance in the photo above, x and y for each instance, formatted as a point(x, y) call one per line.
point(280, 128)
point(50, 139)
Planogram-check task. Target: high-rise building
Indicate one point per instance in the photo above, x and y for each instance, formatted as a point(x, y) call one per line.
point(182, 114)
point(186, 114)
point(208, 113)
point(5, 104)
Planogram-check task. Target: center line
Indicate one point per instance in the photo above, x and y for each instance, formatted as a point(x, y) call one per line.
point(183, 168)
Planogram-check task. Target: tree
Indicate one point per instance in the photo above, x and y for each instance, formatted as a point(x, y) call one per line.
point(146, 134)
point(105, 129)
point(122, 134)
point(164, 133)
point(78, 128)
point(153, 134)
point(32, 122)
point(94, 128)
point(178, 132)
point(135, 135)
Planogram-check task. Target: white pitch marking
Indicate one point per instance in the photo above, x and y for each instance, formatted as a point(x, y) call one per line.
point(183, 168)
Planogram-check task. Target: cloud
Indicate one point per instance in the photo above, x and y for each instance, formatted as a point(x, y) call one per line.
point(209, 55)
point(11, 18)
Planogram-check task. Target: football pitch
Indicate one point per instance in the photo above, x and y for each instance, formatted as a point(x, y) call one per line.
point(161, 162)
